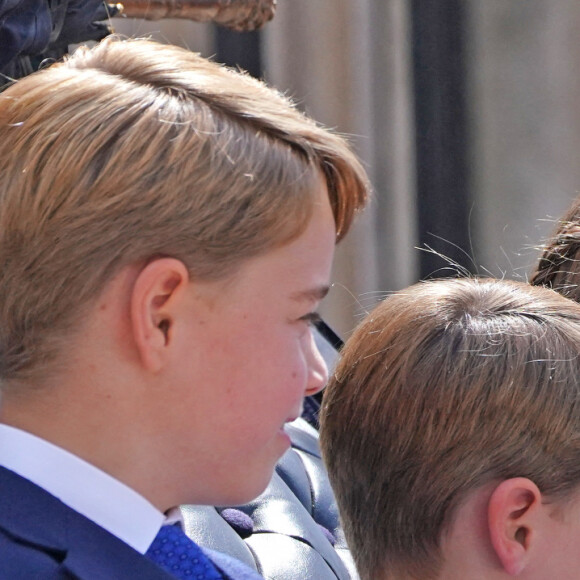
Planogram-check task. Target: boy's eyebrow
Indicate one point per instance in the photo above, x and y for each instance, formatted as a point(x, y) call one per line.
point(312, 294)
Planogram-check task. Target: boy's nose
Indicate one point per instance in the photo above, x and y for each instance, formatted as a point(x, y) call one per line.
point(317, 369)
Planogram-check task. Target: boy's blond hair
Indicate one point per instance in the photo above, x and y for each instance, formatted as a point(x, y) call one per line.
point(447, 386)
point(133, 150)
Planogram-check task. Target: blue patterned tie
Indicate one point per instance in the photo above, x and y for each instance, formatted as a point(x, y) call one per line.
point(173, 551)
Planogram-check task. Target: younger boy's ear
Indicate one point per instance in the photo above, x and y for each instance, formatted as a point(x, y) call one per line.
point(514, 514)
point(157, 294)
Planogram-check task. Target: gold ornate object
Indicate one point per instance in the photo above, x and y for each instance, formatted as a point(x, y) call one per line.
point(235, 14)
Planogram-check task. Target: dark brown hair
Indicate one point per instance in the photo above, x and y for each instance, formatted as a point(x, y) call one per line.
point(559, 265)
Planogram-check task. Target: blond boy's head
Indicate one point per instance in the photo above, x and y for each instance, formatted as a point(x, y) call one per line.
point(132, 151)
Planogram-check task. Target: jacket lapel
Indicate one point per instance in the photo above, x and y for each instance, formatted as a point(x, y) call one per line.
point(34, 517)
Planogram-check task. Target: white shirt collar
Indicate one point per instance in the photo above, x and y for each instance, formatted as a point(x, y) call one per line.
point(86, 489)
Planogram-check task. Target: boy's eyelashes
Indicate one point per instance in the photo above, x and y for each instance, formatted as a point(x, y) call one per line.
point(312, 318)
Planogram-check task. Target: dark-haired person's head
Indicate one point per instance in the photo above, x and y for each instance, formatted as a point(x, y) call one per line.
point(559, 265)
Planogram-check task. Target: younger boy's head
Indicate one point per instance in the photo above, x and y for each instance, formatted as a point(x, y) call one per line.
point(132, 151)
point(451, 433)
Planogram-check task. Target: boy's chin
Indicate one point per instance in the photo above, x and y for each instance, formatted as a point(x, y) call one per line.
point(250, 489)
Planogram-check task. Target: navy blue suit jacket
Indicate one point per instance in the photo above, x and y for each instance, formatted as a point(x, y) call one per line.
point(42, 538)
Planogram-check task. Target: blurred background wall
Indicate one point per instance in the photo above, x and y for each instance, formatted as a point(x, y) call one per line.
point(464, 112)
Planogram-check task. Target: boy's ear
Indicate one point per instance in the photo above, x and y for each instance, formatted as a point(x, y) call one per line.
point(157, 294)
point(514, 514)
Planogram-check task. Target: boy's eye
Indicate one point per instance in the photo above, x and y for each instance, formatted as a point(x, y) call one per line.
point(312, 318)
